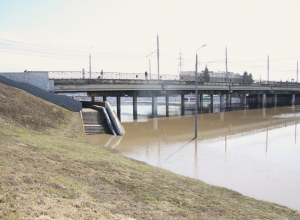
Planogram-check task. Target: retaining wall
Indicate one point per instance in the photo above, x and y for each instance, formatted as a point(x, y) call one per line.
point(60, 100)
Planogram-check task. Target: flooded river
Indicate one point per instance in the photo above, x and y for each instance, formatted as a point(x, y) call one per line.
point(255, 151)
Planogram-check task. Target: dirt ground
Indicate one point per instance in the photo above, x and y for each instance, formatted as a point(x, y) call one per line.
point(49, 171)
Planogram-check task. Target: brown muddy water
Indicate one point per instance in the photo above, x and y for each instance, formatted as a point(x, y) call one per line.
point(255, 152)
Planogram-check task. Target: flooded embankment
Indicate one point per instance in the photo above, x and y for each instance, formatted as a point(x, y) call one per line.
point(255, 152)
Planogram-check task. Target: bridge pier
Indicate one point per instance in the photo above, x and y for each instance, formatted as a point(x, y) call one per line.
point(167, 104)
point(104, 98)
point(244, 99)
point(119, 107)
point(275, 99)
point(134, 106)
point(293, 99)
point(154, 105)
point(228, 97)
point(201, 101)
point(264, 99)
point(258, 99)
point(92, 98)
point(221, 101)
point(182, 104)
point(212, 102)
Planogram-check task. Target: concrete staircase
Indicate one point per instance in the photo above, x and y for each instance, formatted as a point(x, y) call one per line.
point(94, 122)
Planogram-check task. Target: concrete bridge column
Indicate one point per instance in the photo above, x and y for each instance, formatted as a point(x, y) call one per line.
point(228, 97)
point(154, 105)
point(197, 101)
point(92, 98)
point(258, 99)
point(244, 99)
point(201, 101)
point(275, 99)
point(293, 99)
point(211, 103)
point(182, 104)
point(134, 106)
point(221, 101)
point(119, 107)
point(167, 105)
point(104, 98)
point(264, 100)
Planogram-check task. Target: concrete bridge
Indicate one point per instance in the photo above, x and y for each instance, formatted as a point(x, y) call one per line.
point(136, 85)
point(255, 92)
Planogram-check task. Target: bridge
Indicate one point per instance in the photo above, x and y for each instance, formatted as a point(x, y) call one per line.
point(135, 85)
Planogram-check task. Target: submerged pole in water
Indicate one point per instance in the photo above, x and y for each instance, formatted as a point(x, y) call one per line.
point(196, 94)
point(196, 100)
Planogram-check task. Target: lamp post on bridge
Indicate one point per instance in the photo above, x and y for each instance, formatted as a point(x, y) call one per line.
point(196, 93)
point(90, 63)
point(150, 62)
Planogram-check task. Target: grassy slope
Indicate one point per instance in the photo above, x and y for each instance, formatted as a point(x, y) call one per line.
point(49, 171)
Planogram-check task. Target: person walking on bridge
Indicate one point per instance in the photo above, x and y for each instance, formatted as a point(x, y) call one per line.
point(146, 75)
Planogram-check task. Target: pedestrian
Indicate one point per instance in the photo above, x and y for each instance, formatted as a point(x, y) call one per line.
point(146, 75)
point(102, 73)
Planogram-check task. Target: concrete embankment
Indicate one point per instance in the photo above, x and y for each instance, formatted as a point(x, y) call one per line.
point(99, 118)
point(60, 100)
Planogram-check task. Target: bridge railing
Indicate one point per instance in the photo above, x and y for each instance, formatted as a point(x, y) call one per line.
point(108, 75)
point(142, 76)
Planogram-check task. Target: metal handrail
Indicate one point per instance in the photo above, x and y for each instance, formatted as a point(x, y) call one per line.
point(184, 78)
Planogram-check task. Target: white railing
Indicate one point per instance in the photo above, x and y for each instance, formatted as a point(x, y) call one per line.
point(142, 76)
point(108, 75)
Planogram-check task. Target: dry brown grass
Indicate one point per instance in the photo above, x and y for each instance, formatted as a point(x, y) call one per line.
point(51, 172)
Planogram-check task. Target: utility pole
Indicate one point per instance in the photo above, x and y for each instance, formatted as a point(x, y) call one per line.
point(150, 68)
point(180, 62)
point(90, 67)
point(90, 64)
point(268, 70)
point(196, 98)
point(226, 63)
point(196, 93)
point(157, 56)
point(150, 62)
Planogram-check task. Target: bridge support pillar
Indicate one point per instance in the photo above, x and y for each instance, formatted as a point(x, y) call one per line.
point(228, 97)
point(221, 101)
point(119, 107)
point(92, 98)
point(104, 98)
point(201, 101)
point(167, 104)
point(264, 100)
point(244, 99)
point(211, 103)
point(293, 99)
point(275, 99)
point(154, 105)
point(182, 104)
point(134, 106)
point(258, 100)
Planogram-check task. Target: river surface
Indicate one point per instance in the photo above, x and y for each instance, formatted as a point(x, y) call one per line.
point(254, 151)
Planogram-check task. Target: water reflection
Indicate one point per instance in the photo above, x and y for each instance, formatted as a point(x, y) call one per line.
point(254, 152)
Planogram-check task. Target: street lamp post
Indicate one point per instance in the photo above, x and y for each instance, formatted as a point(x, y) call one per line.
point(90, 63)
point(196, 93)
point(150, 63)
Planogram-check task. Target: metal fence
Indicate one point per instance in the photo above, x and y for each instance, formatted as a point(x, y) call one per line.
point(108, 75)
point(142, 76)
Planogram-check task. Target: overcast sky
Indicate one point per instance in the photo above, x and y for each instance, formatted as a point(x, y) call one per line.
point(52, 35)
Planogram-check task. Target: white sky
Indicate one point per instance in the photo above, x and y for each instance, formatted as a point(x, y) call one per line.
point(58, 35)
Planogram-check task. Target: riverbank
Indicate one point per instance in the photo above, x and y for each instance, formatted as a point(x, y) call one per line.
point(49, 171)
